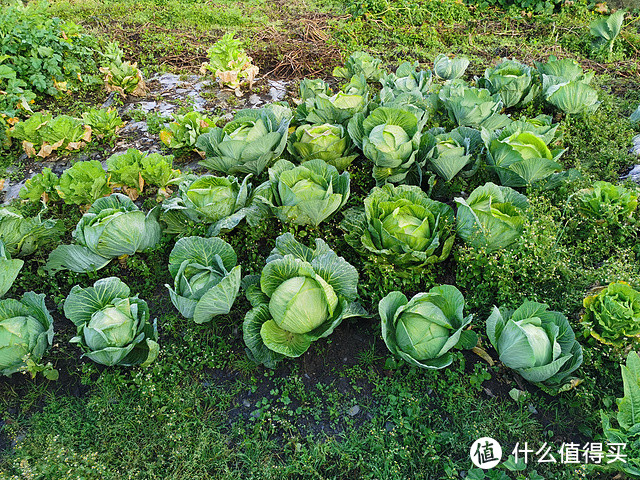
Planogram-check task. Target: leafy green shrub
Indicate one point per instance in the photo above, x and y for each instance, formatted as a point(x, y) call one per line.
point(535, 6)
point(113, 327)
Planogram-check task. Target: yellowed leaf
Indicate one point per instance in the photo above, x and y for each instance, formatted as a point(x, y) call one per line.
point(28, 148)
point(482, 353)
point(86, 136)
point(140, 181)
point(602, 8)
point(1, 183)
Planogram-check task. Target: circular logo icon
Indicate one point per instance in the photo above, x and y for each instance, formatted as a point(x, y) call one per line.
point(485, 453)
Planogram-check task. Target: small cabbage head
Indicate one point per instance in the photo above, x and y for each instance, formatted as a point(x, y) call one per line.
point(447, 68)
point(113, 327)
point(472, 106)
point(537, 343)
point(306, 194)
point(221, 202)
point(327, 142)
point(513, 81)
point(206, 277)
point(390, 138)
point(113, 226)
point(360, 63)
point(453, 153)
point(423, 330)
point(26, 331)
point(492, 217)
point(403, 225)
point(248, 143)
point(302, 295)
point(612, 314)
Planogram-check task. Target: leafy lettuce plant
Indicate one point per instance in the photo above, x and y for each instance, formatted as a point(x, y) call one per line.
point(451, 153)
point(113, 226)
point(133, 169)
point(220, 202)
point(492, 217)
point(41, 187)
point(536, 342)
point(520, 157)
point(566, 86)
point(9, 269)
point(423, 330)
point(306, 194)
point(402, 225)
point(248, 143)
point(327, 142)
point(104, 122)
point(42, 134)
point(113, 327)
point(230, 63)
point(302, 295)
point(360, 63)
point(447, 68)
point(26, 332)
point(514, 82)
point(612, 314)
point(337, 108)
point(206, 279)
point(22, 236)
point(124, 78)
point(472, 107)
point(184, 131)
point(391, 139)
point(83, 183)
point(606, 202)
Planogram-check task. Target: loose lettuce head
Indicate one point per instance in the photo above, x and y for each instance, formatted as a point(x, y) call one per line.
point(492, 217)
point(537, 343)
point(26, 330)
point(83, 183)
point(113, 226)
point(513, 81)
point(390, 138)
point(41, 186)
point(133, 169)
point(306, 194)
point(403, 225)
point(249, 143)
point(220, 202)
point(113, 327)
point(104, 123)
point(612, 315)
point(327, 142)
point(302, 295)
point(42, 134)
point(423, 330)
point(206, 277)
point(230, 63)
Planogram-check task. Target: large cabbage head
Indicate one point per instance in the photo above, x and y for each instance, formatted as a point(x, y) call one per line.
point(424, 329)
point(248, 143)
point(513, 81)
point(492, 217)
point(113, 226)
point(305, 195)
point(302, 295)
point(220, 202)
point(520, 157)
point(337, 108)
point(390, 138)
point(206, 277)
point(403, 225)
point(113, 327)
point(327, 142)
point(26, 331)
point(612, 315)
point(537, 343)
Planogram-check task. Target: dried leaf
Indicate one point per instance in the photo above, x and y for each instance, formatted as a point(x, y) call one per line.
point(28, 148)
point(482, 353)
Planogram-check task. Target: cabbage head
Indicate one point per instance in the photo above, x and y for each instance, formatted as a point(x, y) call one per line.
point(113, 226)
point(537, 343)
point(206, 278)
point(306, 194)
point(220, 202)
point(248, 143)
point(447, 68)
point(423, 330)
point(327, 142)
point(513, 81)
point(472, 107)
point(402, 225)
point(26, 331)
point(360, 63)
point(113, 327)
point(492, 217)
point(451, 153)
point(390, 138)
point(302, 295)
point(612, 314)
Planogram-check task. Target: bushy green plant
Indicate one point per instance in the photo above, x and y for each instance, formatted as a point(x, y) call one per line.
point(83, 183)
point(104, 122)
point(607, 203)
point(42, 186)
point(113, 327)
point(230, 63)
point(184, 131)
